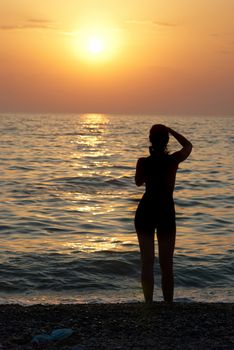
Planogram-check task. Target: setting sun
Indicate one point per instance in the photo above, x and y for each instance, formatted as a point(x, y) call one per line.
point(96, 46)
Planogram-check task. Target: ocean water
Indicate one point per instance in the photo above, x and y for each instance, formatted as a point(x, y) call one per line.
point(67, 203)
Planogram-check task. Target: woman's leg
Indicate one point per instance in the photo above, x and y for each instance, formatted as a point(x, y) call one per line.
point(166, 246)
point(146, 243)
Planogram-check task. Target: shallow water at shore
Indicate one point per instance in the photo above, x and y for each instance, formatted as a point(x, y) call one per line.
point(68, 199)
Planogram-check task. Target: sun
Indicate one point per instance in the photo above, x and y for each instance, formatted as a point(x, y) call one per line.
point(95, 45)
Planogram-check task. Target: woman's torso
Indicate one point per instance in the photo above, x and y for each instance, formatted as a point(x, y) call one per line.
point(160, 175)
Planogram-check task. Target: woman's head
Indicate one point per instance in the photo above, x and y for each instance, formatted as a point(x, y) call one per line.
point(159, 137)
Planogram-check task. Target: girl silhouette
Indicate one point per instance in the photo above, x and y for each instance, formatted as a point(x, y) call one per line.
point(156, 209)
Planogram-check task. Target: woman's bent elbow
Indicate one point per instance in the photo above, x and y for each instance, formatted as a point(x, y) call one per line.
point(190, 147)
point(139, 182)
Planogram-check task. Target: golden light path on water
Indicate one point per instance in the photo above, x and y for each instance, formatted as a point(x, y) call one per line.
point(96, 130)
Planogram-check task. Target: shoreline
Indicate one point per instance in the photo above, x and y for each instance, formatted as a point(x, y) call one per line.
point(119, 326)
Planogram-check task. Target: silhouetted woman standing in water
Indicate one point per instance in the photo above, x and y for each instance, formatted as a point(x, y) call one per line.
point(156, 208)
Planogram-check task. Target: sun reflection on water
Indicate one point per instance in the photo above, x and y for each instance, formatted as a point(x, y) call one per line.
point(92, 245)
point(101, 243)
point(89, 167)
point(94, 119)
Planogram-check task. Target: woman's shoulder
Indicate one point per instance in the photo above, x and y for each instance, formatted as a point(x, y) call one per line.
point(143, 160)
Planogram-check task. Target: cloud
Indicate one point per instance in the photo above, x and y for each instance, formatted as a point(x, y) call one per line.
point(165, 24)
point(31, 23)
point(225, 39)
point(225, 34)
point(39, 20)
point(226, 52)
point(152, 23)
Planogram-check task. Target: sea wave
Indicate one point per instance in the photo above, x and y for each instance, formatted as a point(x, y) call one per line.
point(68, 200)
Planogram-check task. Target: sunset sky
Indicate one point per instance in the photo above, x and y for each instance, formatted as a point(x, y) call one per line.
point(108, 56)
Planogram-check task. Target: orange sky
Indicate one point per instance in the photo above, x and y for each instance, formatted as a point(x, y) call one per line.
point(164, 56)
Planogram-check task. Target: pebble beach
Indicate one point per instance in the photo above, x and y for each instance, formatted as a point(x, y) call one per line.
point(120, 326)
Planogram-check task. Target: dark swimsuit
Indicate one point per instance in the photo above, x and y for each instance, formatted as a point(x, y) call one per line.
point(156, 208)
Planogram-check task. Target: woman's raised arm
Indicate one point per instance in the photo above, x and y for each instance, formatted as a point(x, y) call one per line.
point(186, 146)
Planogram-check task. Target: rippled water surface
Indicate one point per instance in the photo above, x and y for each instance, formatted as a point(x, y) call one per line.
point(68, 199)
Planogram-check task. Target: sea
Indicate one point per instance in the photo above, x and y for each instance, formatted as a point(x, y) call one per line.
point(67, 204)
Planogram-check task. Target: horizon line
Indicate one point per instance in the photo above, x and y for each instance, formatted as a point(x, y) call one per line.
point(189, 114)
